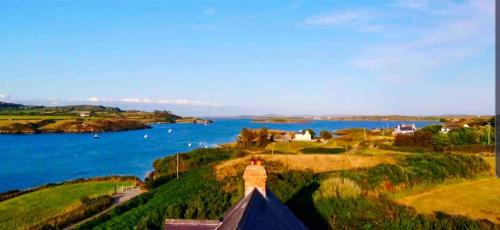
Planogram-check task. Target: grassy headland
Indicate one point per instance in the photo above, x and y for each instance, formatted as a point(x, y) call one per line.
point(22, 119)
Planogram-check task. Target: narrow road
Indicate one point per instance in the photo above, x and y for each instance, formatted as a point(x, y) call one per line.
point(117, 200)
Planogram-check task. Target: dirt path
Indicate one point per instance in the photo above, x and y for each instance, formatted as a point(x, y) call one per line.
point(118, 199)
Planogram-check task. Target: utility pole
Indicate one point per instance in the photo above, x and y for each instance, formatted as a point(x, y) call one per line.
point(177, 166)
point(489, 132)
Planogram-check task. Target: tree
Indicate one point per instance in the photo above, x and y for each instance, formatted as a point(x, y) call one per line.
point(325, 134)
point(313, 134)
point(434, 129)
point(246, 137)
point(257, 137)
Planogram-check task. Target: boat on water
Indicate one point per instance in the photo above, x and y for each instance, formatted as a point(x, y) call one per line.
point(146, 136)
point(96, 136)
point(170, 130)
point(189, 145)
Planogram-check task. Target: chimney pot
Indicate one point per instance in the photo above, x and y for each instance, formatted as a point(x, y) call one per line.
point(255, 176)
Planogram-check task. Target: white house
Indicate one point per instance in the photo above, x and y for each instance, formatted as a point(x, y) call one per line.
point(84, 114)
point(405, 129)
point(306, 136)
point(452, 126)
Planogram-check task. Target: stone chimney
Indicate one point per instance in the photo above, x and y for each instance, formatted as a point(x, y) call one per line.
point(255, 177)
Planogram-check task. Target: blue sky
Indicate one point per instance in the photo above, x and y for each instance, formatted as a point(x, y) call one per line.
point(252, 57)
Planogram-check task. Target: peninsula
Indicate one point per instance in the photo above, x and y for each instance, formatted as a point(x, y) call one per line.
point(27, 119)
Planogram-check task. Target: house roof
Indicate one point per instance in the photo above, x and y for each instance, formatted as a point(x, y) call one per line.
point(406, 128)
point(258, 212)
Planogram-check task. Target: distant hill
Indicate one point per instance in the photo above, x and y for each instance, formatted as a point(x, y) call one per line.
point(90, 108)
point(6, 106)
point(12, 107)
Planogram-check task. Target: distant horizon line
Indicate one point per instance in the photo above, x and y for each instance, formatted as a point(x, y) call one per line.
point(271, 115)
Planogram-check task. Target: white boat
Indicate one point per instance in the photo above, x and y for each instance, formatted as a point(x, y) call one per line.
point(146, 136)
point(169, 130)
point(189, 145)
point(96, 136)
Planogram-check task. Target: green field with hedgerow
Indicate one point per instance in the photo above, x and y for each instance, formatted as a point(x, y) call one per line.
point(33, 209)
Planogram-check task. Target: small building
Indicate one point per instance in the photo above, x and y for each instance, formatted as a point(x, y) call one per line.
point(405, 129)
point(283, 137)
point(303, 136)
point(85, 114)
point(259, 209)
point(452, 126)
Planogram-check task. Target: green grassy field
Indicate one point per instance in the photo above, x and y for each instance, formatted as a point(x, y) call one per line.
point(26, 210)
point(36, 117)
point(478, 199)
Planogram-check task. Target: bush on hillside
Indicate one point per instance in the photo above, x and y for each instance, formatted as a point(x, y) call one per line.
point(88, 208)
point(323, 150)
point(337, 187)
point(195, 159)
point(416, 169)
point(420, 138)
point(254, 138)
point(326, 135)
point(286, 184)
point(381, 213)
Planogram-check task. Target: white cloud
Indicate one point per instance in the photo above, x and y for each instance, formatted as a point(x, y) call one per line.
point(94, 99)
point(411, 4)
point(457, 33)
point(336, 18)
point(145, 100)
point(4, 97)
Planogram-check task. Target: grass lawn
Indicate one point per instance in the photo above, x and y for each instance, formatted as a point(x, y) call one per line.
point(25, 210)
point(492, 162)
point(35, 117)
point(297, 146)
point(477, 199)
point(318, 163)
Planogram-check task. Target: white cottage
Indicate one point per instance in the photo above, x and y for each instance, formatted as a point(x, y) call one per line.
point(306, 136)
point(405, 129)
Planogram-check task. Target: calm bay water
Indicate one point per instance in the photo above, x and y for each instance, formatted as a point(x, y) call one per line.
point(32, 160)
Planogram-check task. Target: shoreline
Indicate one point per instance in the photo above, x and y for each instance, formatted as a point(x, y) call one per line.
point(142, 175)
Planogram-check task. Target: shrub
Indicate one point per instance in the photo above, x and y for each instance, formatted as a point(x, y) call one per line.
point(323, 150)
point(421, 138)
point(313, 134)
point(325, 134)
point(88, 208)
point(254, 138)
point(286, 184)
point(381, 213)
point(415, 169)
point(195, 159)
point(434, 129)
point(337, 187)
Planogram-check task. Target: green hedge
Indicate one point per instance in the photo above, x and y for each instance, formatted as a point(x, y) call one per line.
point(381, 213)
point(323, 150)
point(415, 169)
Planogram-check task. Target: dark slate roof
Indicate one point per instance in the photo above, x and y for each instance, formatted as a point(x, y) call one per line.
point(406, 128)
point(257, 212)
point(175, 224)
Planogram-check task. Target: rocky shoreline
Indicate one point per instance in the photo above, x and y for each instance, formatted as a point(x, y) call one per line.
point(73, 126)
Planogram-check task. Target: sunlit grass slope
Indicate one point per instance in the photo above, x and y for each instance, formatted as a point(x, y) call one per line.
point(26, 210)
